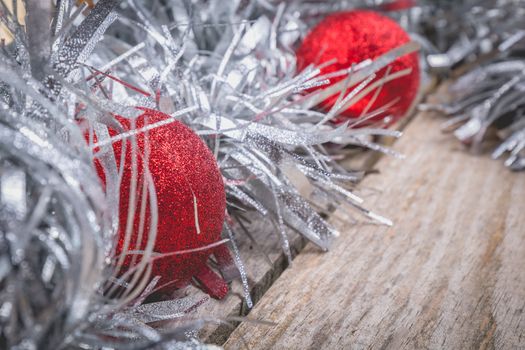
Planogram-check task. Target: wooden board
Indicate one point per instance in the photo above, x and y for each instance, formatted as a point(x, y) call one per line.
point(449, 275)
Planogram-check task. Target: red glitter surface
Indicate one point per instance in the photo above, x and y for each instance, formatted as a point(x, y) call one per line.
point(351, 37)
point(182, 167)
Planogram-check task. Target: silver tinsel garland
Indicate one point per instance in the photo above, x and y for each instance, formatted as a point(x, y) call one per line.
point(490, 96)
point(226, 69)
point(239, 80)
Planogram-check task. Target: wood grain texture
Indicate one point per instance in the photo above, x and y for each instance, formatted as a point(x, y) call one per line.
point(449, 275)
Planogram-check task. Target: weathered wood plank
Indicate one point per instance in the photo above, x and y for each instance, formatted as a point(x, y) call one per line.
point(449, 275)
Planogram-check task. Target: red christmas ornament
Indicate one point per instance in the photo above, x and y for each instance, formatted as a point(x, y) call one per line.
point(352, 37)
point(190, 199)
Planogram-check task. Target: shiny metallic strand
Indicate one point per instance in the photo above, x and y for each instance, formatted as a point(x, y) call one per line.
point(490, 96)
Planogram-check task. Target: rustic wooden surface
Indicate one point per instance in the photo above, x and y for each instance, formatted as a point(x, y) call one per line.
point(449, 275)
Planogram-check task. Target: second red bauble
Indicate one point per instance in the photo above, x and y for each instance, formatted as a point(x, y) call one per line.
point(352, 37)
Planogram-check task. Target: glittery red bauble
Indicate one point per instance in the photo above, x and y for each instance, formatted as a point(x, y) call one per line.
point(352, 37)
point(184, 172)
